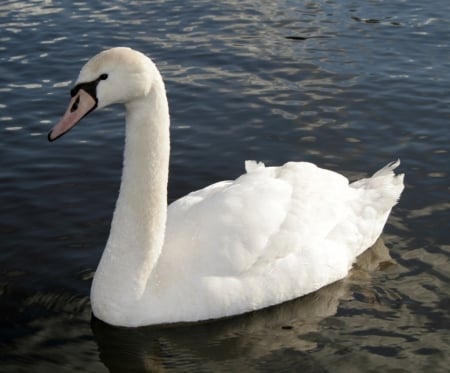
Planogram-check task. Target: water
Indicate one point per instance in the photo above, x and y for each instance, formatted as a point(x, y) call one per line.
point(349, 85)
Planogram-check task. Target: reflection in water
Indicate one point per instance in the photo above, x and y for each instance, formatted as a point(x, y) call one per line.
point(241, 341)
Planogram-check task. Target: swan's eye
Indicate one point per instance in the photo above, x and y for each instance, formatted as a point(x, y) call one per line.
point(103, 77)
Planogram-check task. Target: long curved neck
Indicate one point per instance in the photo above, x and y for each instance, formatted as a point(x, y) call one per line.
point(138, 225)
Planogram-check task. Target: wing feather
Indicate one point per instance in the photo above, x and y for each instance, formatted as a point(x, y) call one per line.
point(237, 227)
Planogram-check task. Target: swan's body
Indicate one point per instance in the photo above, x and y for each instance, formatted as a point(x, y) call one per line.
point(271, 235)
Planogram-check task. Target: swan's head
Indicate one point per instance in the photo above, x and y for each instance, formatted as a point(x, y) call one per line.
point(117, 75)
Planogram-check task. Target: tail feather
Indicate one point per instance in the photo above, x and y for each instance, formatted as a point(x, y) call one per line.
point(378, 194)
point(386, 186)
point(388, 169)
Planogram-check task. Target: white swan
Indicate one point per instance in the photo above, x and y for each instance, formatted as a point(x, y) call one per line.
point(273, 234)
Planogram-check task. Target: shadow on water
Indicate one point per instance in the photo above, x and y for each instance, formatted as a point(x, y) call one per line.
point(261, 340)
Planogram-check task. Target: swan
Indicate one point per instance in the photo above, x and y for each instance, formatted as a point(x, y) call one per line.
point(271, 235)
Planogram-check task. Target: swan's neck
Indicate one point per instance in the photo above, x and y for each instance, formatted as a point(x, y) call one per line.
point(138, 225)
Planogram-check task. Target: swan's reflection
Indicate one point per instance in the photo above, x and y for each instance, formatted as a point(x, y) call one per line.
point(228, 344)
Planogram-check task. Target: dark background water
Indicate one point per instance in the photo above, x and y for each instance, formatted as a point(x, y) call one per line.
point(349, 85)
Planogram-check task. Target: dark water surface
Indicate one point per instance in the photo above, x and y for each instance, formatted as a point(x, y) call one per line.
point(349, 85)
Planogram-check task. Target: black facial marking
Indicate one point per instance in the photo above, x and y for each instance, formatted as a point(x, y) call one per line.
point(89, 87)
point(75, 105)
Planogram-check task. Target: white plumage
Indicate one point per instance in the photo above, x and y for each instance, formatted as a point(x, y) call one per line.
point(273, 234)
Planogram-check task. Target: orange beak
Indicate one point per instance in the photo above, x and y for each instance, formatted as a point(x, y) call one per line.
point(80, 105)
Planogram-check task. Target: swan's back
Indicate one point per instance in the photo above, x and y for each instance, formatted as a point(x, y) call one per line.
point(271, 235)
